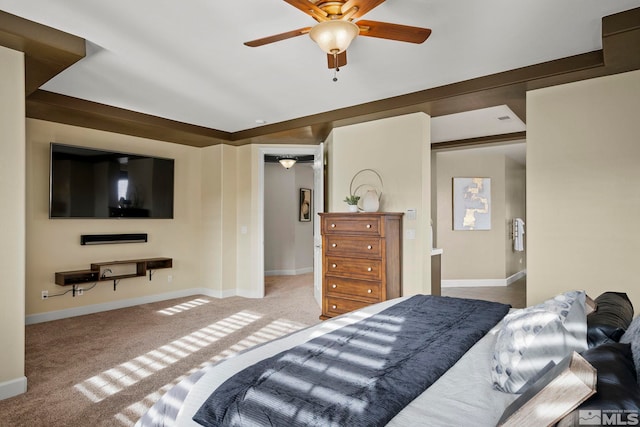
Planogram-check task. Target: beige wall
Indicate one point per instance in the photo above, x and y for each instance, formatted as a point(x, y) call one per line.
point(473, 255)
point(12, 221)
point(250, 259)
point(215, 238)
point(398, 149)
point(583, 192)
point(54, 245)
point(219, 212)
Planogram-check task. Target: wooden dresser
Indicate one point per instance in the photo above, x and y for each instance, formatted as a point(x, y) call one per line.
point(362, 260)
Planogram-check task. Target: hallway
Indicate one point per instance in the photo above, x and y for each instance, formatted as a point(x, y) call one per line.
point(514, 294)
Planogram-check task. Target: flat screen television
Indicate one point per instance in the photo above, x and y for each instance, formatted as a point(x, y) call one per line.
point(91, 183)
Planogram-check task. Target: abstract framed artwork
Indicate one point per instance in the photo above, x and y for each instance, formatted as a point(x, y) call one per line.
point(472, 203)
point(305, 205)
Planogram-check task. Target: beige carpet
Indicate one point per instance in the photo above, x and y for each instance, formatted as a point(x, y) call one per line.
point(106, 369)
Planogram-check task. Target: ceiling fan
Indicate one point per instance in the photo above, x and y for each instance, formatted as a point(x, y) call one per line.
point(336, 30)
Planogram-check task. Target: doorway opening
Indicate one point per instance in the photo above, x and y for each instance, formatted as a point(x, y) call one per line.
point(290, 200)
point(487, 263)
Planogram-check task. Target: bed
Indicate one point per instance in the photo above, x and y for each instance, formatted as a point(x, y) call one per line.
point(462, 390)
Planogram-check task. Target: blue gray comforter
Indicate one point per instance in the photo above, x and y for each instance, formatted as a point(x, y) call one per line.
point(358, 375)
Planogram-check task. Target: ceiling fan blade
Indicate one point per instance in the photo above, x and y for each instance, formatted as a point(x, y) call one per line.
point(278, 37)
point(341, 57)
point(363, 6)
point(309, 8)
point(384, 30)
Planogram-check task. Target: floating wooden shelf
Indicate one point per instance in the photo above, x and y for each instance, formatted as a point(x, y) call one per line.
point(72, 278)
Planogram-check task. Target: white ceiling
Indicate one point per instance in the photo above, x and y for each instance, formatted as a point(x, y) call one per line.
point(186, 60)
point(472, 124)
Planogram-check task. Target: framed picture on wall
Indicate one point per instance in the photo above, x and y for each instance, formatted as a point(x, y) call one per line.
point(472, 203)
point(305, 205)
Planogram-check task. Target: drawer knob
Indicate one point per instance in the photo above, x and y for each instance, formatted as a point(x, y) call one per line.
point(333, 226)
point(334, 306)
point(334, 245)
point(369, 269)
point(334, 265)
point(334, 286)
point(368, 291)
point(369, 247)
point(368, 225)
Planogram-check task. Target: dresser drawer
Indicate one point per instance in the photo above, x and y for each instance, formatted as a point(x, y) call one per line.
point(356, 268)
point(351, 224)
point(339, 286)
point(353, 246)
point(336, 306)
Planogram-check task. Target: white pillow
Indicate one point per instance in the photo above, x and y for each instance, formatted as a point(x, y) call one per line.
point(532, 337)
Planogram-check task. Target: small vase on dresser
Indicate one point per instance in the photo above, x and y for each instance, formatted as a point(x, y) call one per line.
point(362, 260)
point(370, 201)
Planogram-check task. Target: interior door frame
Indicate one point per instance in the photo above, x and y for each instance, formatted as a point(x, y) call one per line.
point(318, 194)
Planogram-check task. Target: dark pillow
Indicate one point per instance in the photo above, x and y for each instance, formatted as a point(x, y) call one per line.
point(617, 393)
point(612, 317)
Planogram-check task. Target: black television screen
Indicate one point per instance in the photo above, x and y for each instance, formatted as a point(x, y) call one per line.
point(90, 183)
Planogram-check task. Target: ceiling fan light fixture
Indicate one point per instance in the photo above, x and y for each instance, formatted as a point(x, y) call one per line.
point(287, 162)
point(334, 36)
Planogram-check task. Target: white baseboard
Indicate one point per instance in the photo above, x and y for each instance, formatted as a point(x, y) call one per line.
point(113, 305)
point(13, 388)
point(220, 294)
point(248, 294)
point(472, 283)
point(232, 293)
point(289, 272)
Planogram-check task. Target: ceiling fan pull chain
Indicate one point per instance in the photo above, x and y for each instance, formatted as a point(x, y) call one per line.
point(335, 62)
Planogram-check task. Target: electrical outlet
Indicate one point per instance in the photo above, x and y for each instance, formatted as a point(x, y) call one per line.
point(169, 278)
point(80, 292)
point(45, 294)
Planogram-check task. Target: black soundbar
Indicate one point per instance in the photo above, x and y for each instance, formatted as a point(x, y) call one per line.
point(103, 239)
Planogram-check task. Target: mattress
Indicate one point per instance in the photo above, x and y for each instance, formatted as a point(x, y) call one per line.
point(462, 395)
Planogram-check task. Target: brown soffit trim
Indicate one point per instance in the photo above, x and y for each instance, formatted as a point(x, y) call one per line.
point(47, 51)
point(502, 88)
point(620, 40)
point(628, 20)
point(79, 112)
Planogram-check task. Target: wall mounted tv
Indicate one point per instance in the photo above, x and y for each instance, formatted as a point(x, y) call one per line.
point(91, 183)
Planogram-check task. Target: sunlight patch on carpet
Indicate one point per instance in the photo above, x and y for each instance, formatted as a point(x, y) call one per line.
point(180, 308)
point(273, 330)
point(118, 378)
